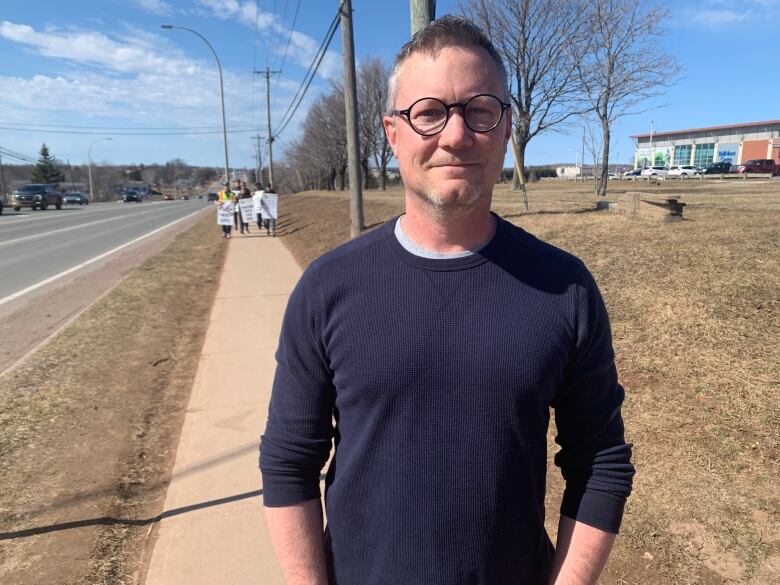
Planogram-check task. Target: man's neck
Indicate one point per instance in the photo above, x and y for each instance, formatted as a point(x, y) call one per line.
point(451, 231)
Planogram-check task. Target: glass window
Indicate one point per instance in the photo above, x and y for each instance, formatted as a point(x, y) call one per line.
point(704, 154)
point(682, 154)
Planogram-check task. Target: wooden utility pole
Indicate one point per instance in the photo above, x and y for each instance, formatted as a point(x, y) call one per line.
point(351, 110)
point(267, 74)
point(258, 161)
point(423, 13)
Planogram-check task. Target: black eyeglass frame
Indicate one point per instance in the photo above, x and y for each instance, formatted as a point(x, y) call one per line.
point(448, 108)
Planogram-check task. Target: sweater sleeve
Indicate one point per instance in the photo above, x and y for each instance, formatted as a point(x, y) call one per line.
point(594, 458)
point(299, 432)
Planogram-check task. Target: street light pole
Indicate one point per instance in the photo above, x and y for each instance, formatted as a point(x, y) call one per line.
point(221, 92)
point(89, 159)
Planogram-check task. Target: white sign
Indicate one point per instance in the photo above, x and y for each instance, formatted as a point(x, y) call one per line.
point(247, 207)
point(269, 205)
point(257, 199)
point(225, 213)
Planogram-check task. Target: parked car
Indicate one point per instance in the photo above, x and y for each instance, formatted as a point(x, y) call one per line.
point(758, 165)
point(132, 195)
point(718, 168)
point(630, 175)
point(75, 198)
point(36, 196)
point(684, 171)
point(655, 171)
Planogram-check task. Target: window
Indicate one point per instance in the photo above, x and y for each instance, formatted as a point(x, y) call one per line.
point(704, 154)
point(682, 154)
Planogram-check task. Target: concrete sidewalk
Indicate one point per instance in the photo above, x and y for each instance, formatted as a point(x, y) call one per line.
point(213, 530)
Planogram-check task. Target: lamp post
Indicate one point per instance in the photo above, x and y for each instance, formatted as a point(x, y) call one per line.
point(652, 150)
point(89, 159)
point(221, 91)
point(576, 164)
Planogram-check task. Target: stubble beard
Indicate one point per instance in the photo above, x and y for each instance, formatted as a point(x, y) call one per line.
point(462, 201)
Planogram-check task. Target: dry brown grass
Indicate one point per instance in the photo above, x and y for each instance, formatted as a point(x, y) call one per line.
point(695, 309)
point(88, 426)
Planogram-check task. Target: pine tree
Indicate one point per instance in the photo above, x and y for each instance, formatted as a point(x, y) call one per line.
point(46, 170)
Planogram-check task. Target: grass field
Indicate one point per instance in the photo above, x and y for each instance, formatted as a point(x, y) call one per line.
point(695, 310)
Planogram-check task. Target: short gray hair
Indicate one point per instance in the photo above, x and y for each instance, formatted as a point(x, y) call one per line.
point(447, 31)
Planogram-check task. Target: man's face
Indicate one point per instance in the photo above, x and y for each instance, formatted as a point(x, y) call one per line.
point(457, 167)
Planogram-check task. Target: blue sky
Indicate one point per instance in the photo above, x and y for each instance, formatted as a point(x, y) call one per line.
point(94, 69)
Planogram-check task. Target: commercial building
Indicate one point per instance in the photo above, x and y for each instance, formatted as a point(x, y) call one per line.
point(735, 143)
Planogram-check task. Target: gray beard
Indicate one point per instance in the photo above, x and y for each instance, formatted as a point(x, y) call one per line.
point(441, 205)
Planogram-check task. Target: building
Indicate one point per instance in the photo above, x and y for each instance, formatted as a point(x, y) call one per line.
point(735, 143)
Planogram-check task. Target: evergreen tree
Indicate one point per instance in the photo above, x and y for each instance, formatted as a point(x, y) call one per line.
point(46, 170)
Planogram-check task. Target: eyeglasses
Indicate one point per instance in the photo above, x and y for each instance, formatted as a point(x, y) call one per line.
point(428, 116)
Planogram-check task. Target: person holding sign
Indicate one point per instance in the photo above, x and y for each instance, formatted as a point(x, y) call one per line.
point(269, 209)
point(245, 207)
point(257, 198)
point(225, 203)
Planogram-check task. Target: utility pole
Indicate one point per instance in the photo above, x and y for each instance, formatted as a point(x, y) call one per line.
point(258, 160)
point(267, 74)
point(423, 12)
point(351, 111)
point(2, 180)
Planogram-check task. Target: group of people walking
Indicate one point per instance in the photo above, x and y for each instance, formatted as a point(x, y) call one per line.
point(241, 191)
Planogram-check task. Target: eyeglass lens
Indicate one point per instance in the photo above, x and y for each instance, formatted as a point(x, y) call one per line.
point(481, 113)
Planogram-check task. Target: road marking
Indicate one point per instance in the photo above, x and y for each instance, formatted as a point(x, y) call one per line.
point(46, 281)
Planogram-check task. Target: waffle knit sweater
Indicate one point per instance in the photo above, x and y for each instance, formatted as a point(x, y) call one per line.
point(435, 380)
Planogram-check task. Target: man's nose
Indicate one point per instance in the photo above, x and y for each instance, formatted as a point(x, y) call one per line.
point(456, 134)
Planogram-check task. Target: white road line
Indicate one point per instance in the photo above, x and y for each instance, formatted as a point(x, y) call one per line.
point(67, 229)
point(46, 281)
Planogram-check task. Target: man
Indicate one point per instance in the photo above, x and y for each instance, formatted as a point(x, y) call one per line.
point(437, 344)
point(226, 197)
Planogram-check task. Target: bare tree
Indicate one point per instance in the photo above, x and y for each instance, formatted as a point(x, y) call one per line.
point(537, 40)
point(622, 66)
point(373, 76)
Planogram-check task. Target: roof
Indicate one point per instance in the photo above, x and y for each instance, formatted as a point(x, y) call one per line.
point(710, 128)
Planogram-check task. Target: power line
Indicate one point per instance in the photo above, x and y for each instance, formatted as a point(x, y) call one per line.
point(16, 155)
point(119, 128)
point(289, 37)
point(187, 133)
point(299, 95)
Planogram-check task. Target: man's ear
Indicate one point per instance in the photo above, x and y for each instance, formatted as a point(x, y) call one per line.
point(392, 133)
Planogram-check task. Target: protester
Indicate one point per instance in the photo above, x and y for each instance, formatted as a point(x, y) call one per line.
point(270, 222)
point(257, 197)
point(225, 196)
point(432, 349)
point(243, 194)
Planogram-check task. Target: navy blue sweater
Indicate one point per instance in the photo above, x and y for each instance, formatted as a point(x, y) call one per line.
point(435, 379)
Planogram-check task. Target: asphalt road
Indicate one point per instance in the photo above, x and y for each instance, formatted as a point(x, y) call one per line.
point(39, 245)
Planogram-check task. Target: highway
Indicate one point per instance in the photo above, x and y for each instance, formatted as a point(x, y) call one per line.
point(36, 246)
point(55, 263)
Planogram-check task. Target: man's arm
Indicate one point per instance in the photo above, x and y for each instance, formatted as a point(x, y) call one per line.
point(580, 554)
point(296, 533)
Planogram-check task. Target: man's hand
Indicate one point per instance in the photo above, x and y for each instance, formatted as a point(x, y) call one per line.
point(580, 554)
point(296, 533)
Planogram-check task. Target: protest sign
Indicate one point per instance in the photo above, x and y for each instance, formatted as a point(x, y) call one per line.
point(225, 213)
point(269, 205)
point(247, 207)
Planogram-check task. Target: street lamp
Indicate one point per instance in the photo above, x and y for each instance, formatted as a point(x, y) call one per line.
point(221, 91)
point(89, 158)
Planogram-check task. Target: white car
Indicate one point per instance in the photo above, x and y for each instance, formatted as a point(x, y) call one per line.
point(656, 171)
point(684, 171)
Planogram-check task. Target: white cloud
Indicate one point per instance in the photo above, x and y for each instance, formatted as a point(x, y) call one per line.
point(718, 18)
point(95, 48)
point(159, 7)
point(245, 12)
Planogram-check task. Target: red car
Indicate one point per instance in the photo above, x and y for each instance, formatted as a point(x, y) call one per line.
point(758, 165)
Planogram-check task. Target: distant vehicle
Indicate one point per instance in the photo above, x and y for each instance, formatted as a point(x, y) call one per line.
point(168, 197)
point(75, 198)
point(758, 165)
point(718, 168)
point(132, 195)
point(2, 203)
point(684, 171)
point(36, 196)
point(185, 197)
point(611, 176)
point(655, 171)
point(630, 175)
point(213, 197)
